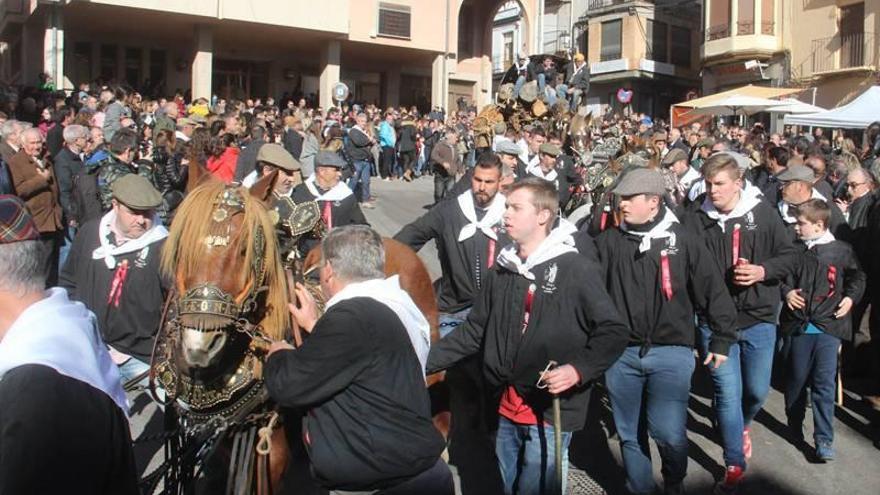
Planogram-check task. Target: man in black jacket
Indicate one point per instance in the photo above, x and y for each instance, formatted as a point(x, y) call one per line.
point(113, 268)
point(68, 162)
point(535, 311)
point(358, 149)
point(360, 377)
point(751, 250)
point(63, 425)
point(656, 273)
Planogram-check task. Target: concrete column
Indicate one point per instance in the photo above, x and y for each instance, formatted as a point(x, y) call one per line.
point(392, 87)
point(438, 83)
point(203, 62)
point(53, 48)
point(484, 91)
point(331, 54)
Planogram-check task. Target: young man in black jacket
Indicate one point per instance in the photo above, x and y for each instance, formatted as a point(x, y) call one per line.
point(819, 296)
point(656, 273)
point(358, 148)
point(752, 250)
point(534, 311)
point(359, 377)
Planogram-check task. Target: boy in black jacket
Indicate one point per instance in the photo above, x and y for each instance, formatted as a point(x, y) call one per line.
point(656, 274)
point(816, 318)
point(537, 306)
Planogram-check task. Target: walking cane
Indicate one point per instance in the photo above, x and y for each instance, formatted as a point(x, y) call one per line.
point(557, 424)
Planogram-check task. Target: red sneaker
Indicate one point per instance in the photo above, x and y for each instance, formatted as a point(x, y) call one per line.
point(747, 443)
point(732, 479)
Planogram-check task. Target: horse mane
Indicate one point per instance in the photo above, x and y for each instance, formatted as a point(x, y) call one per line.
point(185, 248)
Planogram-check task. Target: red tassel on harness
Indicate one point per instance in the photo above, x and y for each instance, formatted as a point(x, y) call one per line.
point(118, 282)
point(832, 280)
point(665, 275)
point(327, 215)
point(735, 243)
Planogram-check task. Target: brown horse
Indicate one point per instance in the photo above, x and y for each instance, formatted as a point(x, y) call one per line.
point(230, 299)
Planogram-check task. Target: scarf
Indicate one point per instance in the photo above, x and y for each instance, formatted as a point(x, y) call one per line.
point(749, 198)
point(63, 335)
point(659, 231)
point(785, 207)
point(108, 252)
point(491, 218)
point(337, 193)
point(538, 172)
point(559, 242)
point(825, 238)
point(388, 292)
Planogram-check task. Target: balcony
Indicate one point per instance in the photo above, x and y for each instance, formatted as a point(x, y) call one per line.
point(842, 52)
point(601, 4)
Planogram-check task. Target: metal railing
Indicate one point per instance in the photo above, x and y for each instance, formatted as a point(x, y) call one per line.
point(843, 51)
point(601, 4)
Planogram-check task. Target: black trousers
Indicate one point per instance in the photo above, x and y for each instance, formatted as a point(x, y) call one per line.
point(436, 480)
point(407, 158)
point(387, 159)
point(51, 242)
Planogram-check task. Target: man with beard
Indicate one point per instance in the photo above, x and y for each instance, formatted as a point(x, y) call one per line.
point(468, 234)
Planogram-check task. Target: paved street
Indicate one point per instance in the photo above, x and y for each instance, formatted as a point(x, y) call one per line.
point(777, 467)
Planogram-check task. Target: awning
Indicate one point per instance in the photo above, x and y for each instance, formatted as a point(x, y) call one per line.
point(681, 114)
point(857, 114)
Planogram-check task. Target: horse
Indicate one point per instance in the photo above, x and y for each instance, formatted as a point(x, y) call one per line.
point(228, 303)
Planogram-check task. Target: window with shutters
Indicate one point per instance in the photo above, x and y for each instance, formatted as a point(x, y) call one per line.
point(611, 40)
point(394, 21)
point(658, 47)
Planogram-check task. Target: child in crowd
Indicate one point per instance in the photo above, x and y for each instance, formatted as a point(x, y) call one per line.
point(815, 319)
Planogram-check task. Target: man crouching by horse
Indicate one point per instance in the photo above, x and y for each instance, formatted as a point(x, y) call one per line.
point(545, 333)
point(62, 409)
point(360, 376)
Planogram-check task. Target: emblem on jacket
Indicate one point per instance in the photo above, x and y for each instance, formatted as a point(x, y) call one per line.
point(750, 221)
point(141, 260)
point(549, 285)
point(671, 245)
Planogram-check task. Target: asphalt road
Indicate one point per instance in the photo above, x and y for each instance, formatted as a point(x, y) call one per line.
point(777, 467)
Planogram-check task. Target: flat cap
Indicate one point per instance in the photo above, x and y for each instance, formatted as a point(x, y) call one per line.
point(327, 158)
point(16, 222)
point(549, 149)
point(136, 192)
point(182, 121)
point(705, 143)
point(508, 147)
point(742, 161)
point(659, 136)
point(641, 181)
point(674, 155)
point(275, 154)
point(797, 172)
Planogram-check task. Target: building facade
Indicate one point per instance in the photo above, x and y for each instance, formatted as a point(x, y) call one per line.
point(643, 49)
point(395, 52)
point(828, 46)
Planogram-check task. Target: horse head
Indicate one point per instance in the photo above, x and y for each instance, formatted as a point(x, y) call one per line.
point(222, 257)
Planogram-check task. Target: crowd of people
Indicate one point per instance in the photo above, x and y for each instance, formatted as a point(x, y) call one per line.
point(745, 247)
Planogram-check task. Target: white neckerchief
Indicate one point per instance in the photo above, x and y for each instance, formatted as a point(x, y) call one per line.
point(659, 231)
point(825, 238)
point(388, 292)
point(537, 171)
point(577, 69)
point(108, 252)
point(490, 219)
point(748, 199)
point(337, 193)
point(689, 177)
point(784, 207)
point(181, 136)
point(559, 242)
point(63, 335)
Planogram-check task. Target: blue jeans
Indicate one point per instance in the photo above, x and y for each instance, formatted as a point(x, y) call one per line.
point(663, 379)
point(527, 458)
point(518, 86)
point(812, 360)
point(741, 384)
point(361, 177)
point(66, 244)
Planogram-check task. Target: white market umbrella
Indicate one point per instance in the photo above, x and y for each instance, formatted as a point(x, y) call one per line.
point(736, 105)
point(792, 105)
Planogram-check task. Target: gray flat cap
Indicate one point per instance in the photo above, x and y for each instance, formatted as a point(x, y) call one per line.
point(641, 181)
point(326, 158)
point(797, 172)
point(508, 147)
